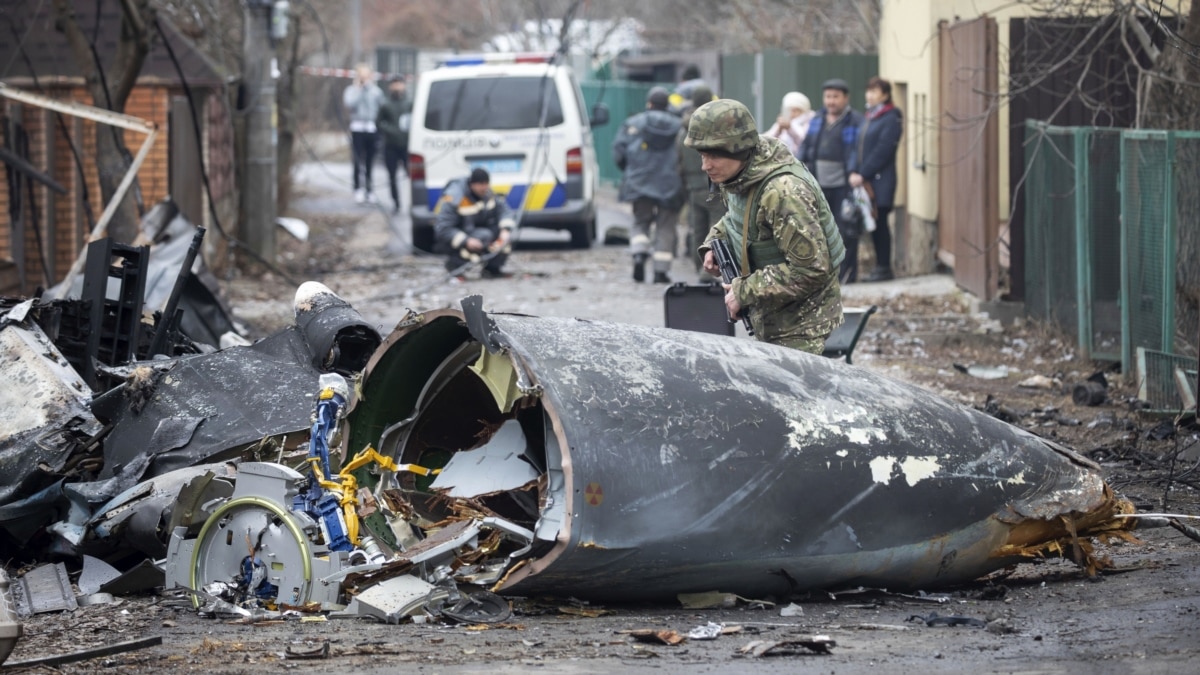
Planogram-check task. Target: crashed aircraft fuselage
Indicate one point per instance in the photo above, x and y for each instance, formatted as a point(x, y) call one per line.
point(667, 461)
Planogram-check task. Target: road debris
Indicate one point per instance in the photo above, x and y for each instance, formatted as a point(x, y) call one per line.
point(655, 635)
point(709, 631)
point(1089, 393)
point(45, 588)
point(1038, 382)
point(821, 644)
point(85, 654)
point(307, 651)
point(934, 619)
point(791, 609)
point(718, 600)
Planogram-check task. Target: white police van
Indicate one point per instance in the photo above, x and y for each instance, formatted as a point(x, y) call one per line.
point(521, 117)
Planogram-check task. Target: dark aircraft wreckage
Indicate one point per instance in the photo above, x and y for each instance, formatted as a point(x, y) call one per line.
point(530, 456)
point(557, 456)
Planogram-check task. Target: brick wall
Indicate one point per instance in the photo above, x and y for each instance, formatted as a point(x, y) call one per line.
point(63, 221)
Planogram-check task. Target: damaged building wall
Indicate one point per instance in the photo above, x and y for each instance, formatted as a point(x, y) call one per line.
point(675, 461)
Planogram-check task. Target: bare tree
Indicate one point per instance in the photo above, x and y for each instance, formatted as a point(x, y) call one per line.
point(1174, 103)
point(110, 89)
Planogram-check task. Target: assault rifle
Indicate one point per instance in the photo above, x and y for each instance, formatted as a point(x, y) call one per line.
point(729, 272)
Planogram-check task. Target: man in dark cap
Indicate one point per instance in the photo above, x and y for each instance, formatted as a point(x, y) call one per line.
point(393, 122)
point(473, 224)
point(645, 152)
point(830, 152)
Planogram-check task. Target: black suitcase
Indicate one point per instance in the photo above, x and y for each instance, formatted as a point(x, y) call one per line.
point(698, 307)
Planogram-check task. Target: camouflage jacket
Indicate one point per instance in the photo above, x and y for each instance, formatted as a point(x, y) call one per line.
point(800, 298)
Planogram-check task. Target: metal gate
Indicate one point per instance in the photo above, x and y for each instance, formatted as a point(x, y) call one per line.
point(968, 169)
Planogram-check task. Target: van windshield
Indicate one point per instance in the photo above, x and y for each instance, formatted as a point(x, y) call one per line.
point(492, 103)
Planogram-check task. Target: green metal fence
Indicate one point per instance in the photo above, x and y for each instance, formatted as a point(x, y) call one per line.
point(1101, 236)
point(761, 80)
point(623, 99)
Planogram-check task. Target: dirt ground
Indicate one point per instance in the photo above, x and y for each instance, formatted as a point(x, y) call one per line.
point(1141, 616)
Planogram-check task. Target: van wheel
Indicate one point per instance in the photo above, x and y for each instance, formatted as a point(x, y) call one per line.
point(583, 234)
point(422, 238)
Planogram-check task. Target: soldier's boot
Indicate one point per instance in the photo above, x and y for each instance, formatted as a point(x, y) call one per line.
point(639, 267)
point(661, 278)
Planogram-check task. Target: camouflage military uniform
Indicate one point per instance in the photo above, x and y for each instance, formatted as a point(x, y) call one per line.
point(790, 286)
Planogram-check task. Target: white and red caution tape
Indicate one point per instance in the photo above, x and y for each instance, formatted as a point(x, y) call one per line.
point(333, 72)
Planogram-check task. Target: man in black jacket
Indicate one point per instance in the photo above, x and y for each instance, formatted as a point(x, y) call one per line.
point(473, 224)
point(393, 121)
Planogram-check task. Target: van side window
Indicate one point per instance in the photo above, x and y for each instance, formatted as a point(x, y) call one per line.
point(492, 103)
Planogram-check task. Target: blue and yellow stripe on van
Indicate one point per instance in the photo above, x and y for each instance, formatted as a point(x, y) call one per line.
point(541, 195)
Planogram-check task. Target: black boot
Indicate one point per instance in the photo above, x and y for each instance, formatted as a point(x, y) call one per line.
point(661, 278)
point(880, 274)
point(639, 267)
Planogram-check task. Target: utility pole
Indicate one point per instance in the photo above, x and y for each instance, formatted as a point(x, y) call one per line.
point(356, 29)
point(259, 188)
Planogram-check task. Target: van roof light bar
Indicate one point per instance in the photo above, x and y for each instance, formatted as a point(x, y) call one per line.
point(497, 58)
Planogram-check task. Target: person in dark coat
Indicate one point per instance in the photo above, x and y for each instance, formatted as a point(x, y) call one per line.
point(878, 140)
point(829, 150)
point(393, 122)
point(646, 154)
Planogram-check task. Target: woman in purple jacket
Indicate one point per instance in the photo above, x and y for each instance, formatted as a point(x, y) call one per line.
point(878, 139)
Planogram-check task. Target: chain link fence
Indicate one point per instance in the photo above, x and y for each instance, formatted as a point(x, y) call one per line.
point(1103, 208)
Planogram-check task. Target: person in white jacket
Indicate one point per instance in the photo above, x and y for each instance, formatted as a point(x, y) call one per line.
point(362, 100)
point(792, 123)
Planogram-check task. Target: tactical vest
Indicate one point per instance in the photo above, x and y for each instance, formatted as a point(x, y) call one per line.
point(743, 228)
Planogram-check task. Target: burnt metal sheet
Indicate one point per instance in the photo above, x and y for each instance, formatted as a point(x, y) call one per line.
point(691, 462)
point(44, 589)
point(44, 401)
point(242, 394)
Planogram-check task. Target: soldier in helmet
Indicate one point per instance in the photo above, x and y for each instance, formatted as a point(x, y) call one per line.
point(778, 227)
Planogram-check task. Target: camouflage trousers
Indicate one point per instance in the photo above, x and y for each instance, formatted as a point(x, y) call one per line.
point(810, 345)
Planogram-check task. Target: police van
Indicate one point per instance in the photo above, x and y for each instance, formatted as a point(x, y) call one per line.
point(521, 117)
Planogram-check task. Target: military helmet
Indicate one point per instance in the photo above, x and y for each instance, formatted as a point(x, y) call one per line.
point(724, 125)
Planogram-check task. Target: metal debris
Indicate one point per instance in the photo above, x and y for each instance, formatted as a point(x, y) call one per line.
point(85, 654)
point(45, 588)
point(821, 644)
point(307, 652)
point(934, 619)
point(655, 635)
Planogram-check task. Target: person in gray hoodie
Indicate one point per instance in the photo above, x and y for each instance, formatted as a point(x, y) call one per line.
point(362, 100)
point(645, 152)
